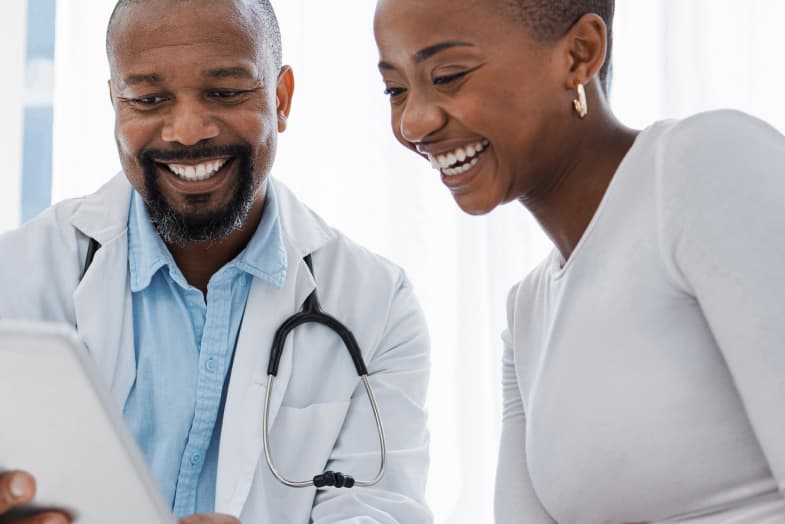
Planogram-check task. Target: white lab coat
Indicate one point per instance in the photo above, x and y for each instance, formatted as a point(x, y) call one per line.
point(320, 416)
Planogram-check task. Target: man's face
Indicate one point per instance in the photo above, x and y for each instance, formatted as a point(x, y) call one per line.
point(194, 92)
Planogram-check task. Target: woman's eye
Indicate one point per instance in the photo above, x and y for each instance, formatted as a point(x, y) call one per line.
point(446, 79)
point(393, 92)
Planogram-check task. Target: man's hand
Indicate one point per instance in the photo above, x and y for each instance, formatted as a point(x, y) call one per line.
point(209, 518)
point(17, 488)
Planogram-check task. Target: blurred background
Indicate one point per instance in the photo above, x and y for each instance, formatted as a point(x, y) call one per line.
point(671, 58)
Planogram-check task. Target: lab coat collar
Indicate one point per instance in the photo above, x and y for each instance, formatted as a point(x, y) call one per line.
point(103, 216)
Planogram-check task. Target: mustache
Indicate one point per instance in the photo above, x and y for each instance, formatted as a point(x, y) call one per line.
point(150, 156)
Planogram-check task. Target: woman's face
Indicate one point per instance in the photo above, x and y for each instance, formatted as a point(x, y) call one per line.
point(474, 94)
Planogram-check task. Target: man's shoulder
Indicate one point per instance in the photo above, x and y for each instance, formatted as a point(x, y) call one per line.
point(48, 231)
point(42, 259)
point(37, 257)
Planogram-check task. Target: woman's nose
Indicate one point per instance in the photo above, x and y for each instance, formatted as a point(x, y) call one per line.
point(421, 118)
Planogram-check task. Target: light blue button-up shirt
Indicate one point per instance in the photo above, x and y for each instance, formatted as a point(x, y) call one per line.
point(184, 347)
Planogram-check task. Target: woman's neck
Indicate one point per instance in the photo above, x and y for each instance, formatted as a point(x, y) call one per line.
point(574, 191)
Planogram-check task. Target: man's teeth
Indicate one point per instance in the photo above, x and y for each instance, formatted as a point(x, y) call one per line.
point(197, 172)
point(447, 162)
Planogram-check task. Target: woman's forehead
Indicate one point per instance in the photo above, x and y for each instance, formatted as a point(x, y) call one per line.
point(411, 25)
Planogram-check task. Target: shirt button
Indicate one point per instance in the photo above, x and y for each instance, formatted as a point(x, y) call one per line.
point(210, 365)
point(196, 458)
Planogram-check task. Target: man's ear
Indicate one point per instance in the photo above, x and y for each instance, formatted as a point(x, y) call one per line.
point(283, 96)
point(587, 45)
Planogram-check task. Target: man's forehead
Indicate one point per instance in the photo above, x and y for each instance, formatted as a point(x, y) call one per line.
point(212, 28)
point(152, 14)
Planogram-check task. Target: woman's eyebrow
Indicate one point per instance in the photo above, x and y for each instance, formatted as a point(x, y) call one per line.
point(427, 52)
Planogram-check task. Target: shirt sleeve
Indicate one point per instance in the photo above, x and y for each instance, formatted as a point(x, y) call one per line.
point(398, 373)
point(722, 196)
point(515, 499)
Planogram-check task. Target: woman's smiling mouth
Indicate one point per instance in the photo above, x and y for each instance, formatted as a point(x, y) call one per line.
point(459, 160)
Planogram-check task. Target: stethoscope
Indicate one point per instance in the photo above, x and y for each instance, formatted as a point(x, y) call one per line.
point(310, 313)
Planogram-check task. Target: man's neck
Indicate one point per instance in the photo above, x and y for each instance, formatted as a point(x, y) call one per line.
point(199, 261)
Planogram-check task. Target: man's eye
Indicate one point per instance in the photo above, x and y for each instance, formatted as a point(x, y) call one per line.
point(226, 94)
point(147, 101)
point(442, 80)
point(393, 92)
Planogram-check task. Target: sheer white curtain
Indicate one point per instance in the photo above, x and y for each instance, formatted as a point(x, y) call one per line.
point(673, 58)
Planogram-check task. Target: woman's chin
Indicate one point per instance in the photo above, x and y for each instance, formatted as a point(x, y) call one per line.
point(476, 205)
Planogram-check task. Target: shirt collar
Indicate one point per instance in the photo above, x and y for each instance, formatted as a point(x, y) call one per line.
point(264, 257)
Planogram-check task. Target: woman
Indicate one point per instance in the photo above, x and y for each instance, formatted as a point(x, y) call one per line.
point(644, 372)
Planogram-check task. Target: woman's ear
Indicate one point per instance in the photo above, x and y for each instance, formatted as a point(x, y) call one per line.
point(587, 43)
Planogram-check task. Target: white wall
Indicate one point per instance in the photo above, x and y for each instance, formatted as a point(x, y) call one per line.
point(13, 25)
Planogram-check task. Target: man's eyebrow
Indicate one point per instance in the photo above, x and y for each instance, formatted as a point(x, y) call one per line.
point(152, 78)
point(231, 72)
point(427, 52)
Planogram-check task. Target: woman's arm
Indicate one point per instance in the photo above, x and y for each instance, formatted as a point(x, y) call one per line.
point(516, 500)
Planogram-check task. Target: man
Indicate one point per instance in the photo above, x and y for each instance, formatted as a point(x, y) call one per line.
point(201, 256)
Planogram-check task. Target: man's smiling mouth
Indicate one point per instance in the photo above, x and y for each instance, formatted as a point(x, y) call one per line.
point(197, 172)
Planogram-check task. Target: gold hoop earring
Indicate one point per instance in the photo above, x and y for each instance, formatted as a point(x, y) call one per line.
point(581, 106)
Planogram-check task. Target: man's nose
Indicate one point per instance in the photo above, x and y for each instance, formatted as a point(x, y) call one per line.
point(189, 123)
point(421, 118)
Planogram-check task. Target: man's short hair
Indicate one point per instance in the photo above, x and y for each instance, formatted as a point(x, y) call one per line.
point(549, 20)
point(271, 32)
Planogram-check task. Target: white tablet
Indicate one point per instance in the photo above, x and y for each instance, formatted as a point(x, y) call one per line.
point(58, 421)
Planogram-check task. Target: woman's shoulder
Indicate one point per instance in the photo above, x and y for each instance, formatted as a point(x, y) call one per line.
point(714, 135)
point(711, 148)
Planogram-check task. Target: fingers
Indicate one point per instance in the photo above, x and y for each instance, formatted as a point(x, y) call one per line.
point(16, 488)
point(46, 518)
point(209, 518)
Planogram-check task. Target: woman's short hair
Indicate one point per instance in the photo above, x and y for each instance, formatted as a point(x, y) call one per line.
point(549, 20)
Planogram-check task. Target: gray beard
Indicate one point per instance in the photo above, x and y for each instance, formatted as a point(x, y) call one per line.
point(183, 228)
point(179, 228)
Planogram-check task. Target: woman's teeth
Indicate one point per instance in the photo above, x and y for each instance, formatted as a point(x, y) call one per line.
point(197, 172)
point(459, 160)
point(460, 169)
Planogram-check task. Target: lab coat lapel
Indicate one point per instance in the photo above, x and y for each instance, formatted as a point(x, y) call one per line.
point(241, 445)
point(102, 300)
point(267, 308)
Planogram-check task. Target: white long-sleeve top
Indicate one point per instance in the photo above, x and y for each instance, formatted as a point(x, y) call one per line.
point(644, 379)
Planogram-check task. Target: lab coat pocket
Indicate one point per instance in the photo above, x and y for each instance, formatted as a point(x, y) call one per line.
point(302, 439)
